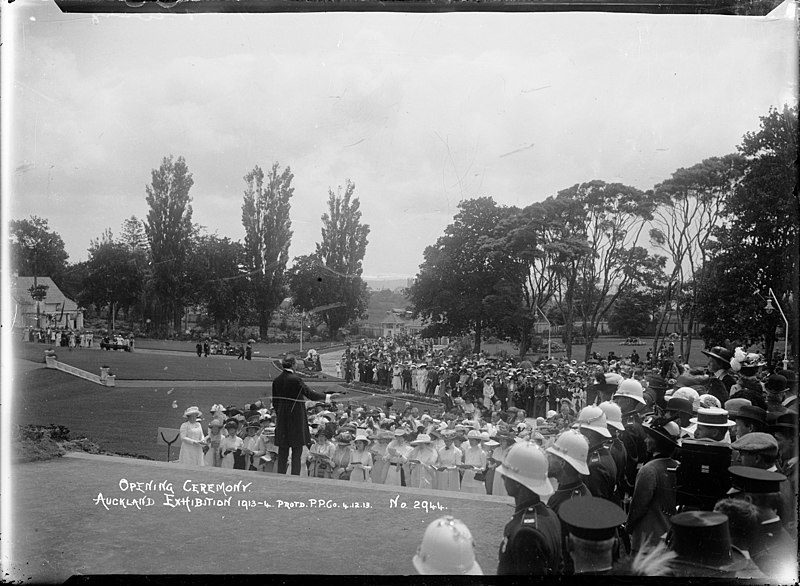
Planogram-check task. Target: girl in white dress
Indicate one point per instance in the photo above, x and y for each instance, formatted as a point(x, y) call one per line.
point(192, 442)
point(474, 460)
point(212, 440)
point(360, 460)
point(380, 465)
point(397, 377)
point(422, 460)
point(506, 441)
point(321, 466)
point(229, 444)
point(447, 476)
point(397, 457)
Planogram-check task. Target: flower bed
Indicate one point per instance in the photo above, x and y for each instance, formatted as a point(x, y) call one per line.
point(32, 443)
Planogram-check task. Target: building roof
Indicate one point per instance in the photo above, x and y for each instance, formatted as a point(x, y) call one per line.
point(20, 292)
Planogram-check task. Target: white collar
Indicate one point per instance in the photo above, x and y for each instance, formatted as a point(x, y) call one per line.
point(288, 370)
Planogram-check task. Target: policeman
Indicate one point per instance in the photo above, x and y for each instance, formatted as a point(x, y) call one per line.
point(567, 462)
point(773, 550)
point(532, 539)
point(447, 548)
point(602, 480)
point(592, 539)
point(616, 448)
point(630, 398)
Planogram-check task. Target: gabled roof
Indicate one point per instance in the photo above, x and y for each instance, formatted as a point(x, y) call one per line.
point(20, 293)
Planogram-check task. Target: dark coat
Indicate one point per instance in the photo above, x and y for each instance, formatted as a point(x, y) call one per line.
point(531, 542)
point(289, 394)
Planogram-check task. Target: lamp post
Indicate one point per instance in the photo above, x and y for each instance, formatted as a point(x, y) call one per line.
point(549, 327)
point(769, 309)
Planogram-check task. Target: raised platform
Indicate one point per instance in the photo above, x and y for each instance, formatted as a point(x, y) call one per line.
point(252, 523)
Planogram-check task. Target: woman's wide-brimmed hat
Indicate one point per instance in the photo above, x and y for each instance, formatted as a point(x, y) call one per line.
point(193, 410)
point(344, 439)
point(668, 432)
point(422, 438)
point(719, 352)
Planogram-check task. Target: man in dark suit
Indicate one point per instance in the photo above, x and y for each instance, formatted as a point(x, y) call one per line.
point(289, 394)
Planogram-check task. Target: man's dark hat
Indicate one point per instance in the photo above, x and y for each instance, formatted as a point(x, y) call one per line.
point(720, 353)
point(591, 518)
point(776, 384)
point(656, 382)
point(679, 404)
point(756, 480)
point(702, 539)
point(784, 422)
point(231, 411)
point(752, 413)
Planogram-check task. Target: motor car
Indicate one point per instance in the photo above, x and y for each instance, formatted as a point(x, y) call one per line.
point(115, 343)
point(632, 341)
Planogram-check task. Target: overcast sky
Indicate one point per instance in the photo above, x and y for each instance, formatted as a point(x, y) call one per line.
point(420, 111)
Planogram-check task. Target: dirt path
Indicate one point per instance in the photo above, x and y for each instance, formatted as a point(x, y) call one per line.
point(61, 528)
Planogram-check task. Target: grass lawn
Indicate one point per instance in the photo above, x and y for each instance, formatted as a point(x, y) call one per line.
point(156, 366)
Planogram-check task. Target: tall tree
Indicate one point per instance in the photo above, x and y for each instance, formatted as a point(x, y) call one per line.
point(689, 208)
point(757, 245)
point(219, 280)
point(340, 254)
point(134, 235)
point(265, 216)
point(463, 285)
point(169, 231)
point(114, 278)
point(610, 220)
point(541, 241)
point(36, 250)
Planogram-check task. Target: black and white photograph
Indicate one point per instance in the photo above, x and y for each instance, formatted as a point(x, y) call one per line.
point(387, 289)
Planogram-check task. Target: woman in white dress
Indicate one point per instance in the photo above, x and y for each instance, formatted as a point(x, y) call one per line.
point(380, 465)
point(506, 441)
point(397, 377)
point(342, 456)
point(229, 444)
point(360, 460)
point(447, 476)
point(212, 440)
point(319, 462)
point(192, 439)
point(422, 460)
point(474, 461)
point(397, 457)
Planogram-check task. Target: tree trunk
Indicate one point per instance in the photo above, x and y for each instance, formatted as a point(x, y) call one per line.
point(263, 323)
point(525, 338)
point(478, 332)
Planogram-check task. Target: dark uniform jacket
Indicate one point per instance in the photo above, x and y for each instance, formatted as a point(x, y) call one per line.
point(563, 494)
point(602, 479)
point(531, 542)
point(289, 394)
point(773, 548)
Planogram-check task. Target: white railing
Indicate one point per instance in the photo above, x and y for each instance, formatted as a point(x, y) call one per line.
point(105, 379)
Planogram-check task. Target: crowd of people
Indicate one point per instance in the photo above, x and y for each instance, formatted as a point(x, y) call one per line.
point(60, 337)
point(700, 468)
